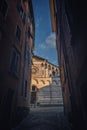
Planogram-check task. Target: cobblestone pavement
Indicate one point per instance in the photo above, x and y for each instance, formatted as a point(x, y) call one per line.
point(45, 118)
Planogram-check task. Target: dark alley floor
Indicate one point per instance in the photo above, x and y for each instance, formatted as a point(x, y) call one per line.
point(45, 118)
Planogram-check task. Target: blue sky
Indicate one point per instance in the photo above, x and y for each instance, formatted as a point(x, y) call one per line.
point(45, 39)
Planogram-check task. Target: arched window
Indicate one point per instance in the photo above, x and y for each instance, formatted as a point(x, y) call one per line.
point(42, 65)
point(45, 66)
point(52, 68)
point(56, 70)
point(53, 73)
point(50, 75)
point(49, 67)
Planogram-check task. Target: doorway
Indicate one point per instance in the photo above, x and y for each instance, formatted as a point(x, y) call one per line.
point(34, 95)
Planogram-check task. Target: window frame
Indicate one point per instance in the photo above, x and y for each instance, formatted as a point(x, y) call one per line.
point(6, 9)
point(17, 37)
point(34, 88)
point(25, 92)
point(21, 11)
point(14, 64)
point(27, 54)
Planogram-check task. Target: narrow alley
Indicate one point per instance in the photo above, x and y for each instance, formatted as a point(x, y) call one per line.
point(43, 65)
point(45, 118)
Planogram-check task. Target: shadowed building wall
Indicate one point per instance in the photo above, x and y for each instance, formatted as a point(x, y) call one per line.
point(16, 45)
point(70, 19)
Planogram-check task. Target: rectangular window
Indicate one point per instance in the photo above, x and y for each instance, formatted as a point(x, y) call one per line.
point(3, 7)
point(24, 17)
point(21, 12)
point(15, 60)
point(19, 7)
point(27, 54)
point(65, 72)
point(18, 33)
point(29, 33)
point(55, 3)
point(25, 88)
point(29, 15)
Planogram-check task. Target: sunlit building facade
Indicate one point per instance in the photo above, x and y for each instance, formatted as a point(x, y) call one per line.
point(45, 84)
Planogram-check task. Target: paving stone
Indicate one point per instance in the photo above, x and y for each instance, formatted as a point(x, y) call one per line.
point(45, 119)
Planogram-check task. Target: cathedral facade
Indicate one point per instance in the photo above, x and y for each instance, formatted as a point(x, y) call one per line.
point(46, 85)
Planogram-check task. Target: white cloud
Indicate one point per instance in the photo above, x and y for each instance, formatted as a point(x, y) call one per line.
point(42, 46)
point(38, 21)
point(50, 42)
